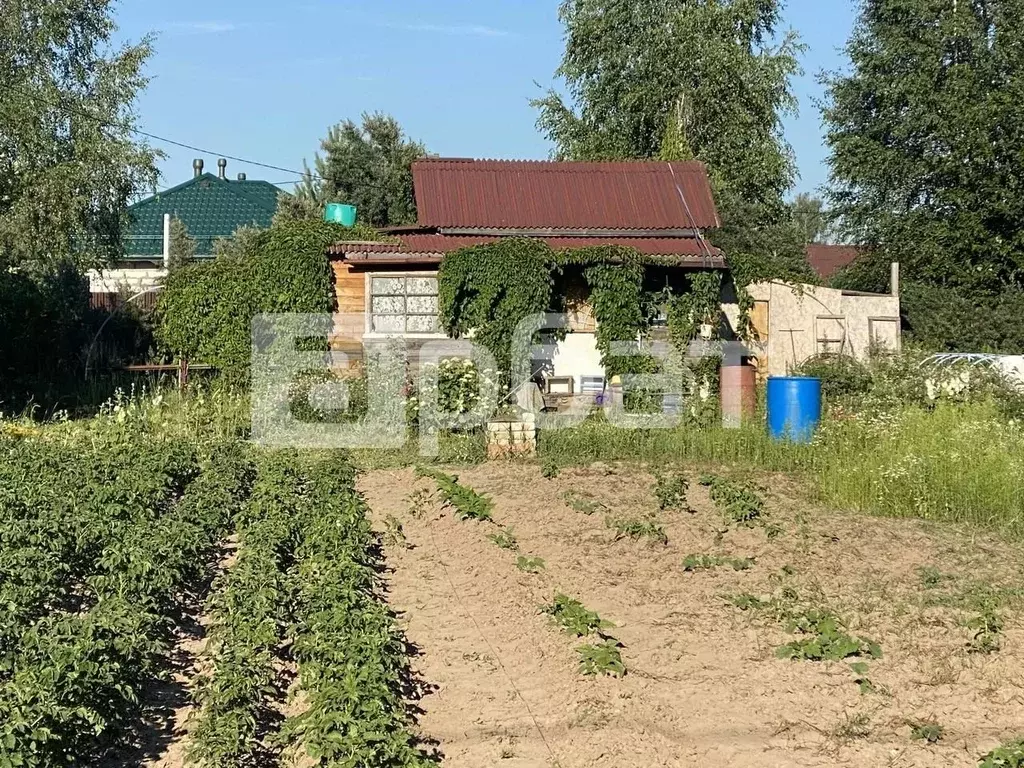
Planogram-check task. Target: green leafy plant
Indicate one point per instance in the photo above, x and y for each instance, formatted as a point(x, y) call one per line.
point(602, 658)
point(637, 528)
point(987, 631)
point(467, 503)
point(746, 602)
point(573, 617)
point(825, 640)
point(549, 469)
point(741, 503)
point(394, 532)
point(699, 562)
point(505, 539)
point(530, 564)
point(928, 731)
point(932, 577)
point(860, 671)
point(581, 501)
point(671, 492)
point(1009, 755)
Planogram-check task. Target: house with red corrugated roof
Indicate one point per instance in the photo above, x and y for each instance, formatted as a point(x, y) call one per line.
point(658, 208)
point(661, 209)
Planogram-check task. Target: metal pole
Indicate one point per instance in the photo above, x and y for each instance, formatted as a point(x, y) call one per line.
point(167, 241)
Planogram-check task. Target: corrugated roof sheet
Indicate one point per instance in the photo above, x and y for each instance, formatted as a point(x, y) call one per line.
point(210, 208)
point(687, 248)
point(567, 195)
point(826, 260)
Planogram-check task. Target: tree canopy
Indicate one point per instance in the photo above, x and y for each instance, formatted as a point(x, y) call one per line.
point(69, 161)
point(368, 166)
point(925, 134)
point(677, 79)
point(811, 219)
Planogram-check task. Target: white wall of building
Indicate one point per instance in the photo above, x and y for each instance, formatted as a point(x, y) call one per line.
point(129, 281)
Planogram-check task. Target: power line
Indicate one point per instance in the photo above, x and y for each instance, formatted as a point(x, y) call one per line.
point(132, 129)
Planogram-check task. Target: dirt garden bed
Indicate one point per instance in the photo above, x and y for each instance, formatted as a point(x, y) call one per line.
point(704, 684)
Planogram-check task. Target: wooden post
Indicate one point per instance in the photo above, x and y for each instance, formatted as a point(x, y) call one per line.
point(182, 374)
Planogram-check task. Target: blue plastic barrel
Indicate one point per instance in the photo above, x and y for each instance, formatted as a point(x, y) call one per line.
point(794, 407)
point(339, 213)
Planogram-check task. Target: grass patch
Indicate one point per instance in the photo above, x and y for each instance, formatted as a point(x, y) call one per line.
point(955, 462)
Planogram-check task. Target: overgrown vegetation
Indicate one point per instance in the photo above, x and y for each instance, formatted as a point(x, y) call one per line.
point(205, 311)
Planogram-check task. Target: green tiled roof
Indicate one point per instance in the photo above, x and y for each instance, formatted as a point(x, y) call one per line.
point(210, 207)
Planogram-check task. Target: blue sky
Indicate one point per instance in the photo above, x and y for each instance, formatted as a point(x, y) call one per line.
point(264, 80)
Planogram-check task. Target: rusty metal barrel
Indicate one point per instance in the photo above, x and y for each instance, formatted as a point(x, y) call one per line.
point(739, 393)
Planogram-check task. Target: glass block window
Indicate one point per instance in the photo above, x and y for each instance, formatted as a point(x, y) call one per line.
point(402, 304)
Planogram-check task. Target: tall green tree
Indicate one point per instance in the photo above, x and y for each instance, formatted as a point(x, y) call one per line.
point(678, 79)
point(367, 165)
point(69, 161)
point(182, 245)
point(925, 133)
point(810, 218)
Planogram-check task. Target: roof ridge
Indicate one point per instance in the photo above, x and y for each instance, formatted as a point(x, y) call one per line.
point(175, 188)
point(637, 162)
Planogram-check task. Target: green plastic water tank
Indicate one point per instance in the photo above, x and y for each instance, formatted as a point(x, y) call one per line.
point(339, 213)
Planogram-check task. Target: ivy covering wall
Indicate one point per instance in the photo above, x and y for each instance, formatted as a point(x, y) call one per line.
point(490, 288)
point(205, 310)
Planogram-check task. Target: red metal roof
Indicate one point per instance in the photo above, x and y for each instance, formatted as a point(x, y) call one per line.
point(826, 260)
point(564, 195)
point(689, 249)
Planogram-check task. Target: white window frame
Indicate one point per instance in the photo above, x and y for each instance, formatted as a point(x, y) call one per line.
point(368, 332)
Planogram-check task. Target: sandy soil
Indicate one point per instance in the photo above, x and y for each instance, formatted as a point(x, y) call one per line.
point(704, 687)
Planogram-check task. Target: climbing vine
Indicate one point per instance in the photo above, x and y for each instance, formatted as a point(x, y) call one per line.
point(687, 312)
point(489, 289)
point(621, 304)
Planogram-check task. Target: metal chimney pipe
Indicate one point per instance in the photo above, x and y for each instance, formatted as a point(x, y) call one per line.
point(242, 177)
point(894, 279)
point(197, 167)
point(222, 168)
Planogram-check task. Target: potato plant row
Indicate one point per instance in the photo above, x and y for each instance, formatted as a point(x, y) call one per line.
point(137, 530)
point(249, 610)
point(353, 662)
point(305, 583)
point(61, 508)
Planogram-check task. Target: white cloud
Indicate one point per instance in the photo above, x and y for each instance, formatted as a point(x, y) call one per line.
point(471, 30)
